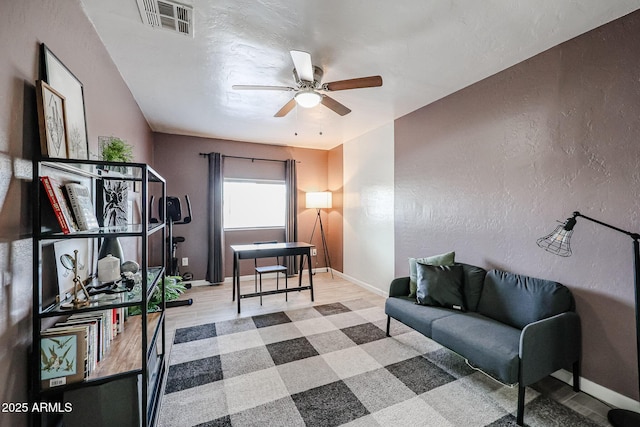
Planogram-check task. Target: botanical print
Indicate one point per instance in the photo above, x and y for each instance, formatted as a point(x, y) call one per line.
point(58, 356)
point(54, 119)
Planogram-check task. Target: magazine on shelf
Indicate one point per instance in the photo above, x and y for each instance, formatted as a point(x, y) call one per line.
point(82, 206)
point(54, 189)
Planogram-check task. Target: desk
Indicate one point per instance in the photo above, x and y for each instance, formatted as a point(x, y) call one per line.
point(266, 251)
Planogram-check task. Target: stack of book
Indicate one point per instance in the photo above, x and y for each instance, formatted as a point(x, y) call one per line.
point(71, 203)
point(72, 350)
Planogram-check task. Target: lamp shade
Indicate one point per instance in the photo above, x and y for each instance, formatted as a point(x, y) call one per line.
point(308, 98)
point(559, 241)
point(319, 200)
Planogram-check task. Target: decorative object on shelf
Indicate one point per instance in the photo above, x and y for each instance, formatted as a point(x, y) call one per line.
point(320, 200)
point(115, 202)
point(58, 76)
point(130, 267)
point(110, 246)
point(109, 269)
point(80, 200)
point(71, 263)
point(52, 120)
point(65, 275)
point(114, 149)
point(55, 194)
point(559, 243)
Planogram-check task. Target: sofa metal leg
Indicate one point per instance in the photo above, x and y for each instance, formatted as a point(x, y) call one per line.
point(388, 325)
point(520, 415)
point(576, 376)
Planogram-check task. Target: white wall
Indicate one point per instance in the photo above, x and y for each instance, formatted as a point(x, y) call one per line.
point(368, 209)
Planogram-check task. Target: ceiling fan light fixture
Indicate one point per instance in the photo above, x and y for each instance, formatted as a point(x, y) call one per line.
point(308, 98)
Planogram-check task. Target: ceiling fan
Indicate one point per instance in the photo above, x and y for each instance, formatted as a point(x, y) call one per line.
point(309, 90)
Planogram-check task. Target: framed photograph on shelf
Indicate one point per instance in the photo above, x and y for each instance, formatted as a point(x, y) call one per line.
point(85, 249)
point(58, 76)
point(52, 120)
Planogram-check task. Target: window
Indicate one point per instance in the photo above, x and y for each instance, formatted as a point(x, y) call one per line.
point(254, 203)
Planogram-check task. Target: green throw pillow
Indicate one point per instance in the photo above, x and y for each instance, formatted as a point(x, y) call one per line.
point(441, 286)
point(442, 259)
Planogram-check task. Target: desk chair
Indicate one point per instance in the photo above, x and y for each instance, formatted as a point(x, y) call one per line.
point(277, 268)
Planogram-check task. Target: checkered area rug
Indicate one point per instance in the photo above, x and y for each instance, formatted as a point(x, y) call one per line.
point(331, 365)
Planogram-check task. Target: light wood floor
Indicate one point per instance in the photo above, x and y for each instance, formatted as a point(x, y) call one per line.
point(213, 304)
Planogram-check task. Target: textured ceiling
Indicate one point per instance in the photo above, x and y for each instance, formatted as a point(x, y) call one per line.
point(423, 49)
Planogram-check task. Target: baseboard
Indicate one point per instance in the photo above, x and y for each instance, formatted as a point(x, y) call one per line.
point(361, 284)
point(604, 394)
point(194, 283)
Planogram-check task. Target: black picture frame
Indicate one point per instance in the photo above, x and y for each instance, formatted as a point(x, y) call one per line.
point(59, 77)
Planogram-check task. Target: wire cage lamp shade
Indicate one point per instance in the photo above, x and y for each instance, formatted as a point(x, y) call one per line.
point(318, 200)
point(558, 242)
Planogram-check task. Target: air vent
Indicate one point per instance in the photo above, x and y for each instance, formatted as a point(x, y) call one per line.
point(168, 15)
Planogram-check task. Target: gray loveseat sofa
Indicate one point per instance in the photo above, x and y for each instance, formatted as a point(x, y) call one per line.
point(517, 329)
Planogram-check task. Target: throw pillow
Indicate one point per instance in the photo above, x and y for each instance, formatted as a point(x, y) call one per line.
point(441, 285)
point(442, 259)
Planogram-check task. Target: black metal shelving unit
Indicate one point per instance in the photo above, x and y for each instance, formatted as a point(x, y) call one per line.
point(146, 332)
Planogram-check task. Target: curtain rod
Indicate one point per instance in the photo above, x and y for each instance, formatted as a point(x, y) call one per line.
point(250, 158)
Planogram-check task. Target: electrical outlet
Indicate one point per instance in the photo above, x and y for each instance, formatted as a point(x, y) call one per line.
point(314, 252)
point(185, 261)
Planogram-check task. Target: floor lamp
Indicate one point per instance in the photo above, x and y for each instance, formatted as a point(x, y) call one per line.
point(558, 243)
point(320, 200)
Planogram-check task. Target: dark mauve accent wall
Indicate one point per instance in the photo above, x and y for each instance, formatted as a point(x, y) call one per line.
point(489, 169)
point(177, 158)
point(110, 110)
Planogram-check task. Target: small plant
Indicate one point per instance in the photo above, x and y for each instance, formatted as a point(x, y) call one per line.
point(173, 288)
point(116, 150)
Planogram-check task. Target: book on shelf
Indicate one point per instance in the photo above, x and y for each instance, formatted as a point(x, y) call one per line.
point(92, 340)
point(53, 187)
point(82, 206)
point(63, 356)
point(103, 332)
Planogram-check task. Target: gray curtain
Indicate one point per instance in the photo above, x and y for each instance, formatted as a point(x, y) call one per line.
point(215, 258)
point(291, 225)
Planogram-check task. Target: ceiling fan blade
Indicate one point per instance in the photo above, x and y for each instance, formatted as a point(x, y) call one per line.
point(258, 87)
point(334, 105)
point(303, 65)
point(362, 82)
point(287, 107)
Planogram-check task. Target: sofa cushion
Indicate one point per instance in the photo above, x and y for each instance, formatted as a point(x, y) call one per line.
point(485, 343)
point(518, 300)
point(416, 316)
point(442, 259)
point(440, 285)
point(473, 281)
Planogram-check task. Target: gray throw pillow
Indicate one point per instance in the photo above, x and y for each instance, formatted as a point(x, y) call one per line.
point(441, 286)
point(442, 259)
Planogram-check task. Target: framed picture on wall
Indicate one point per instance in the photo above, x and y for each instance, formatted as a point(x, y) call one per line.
point(52, 120)
point(59, 77)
